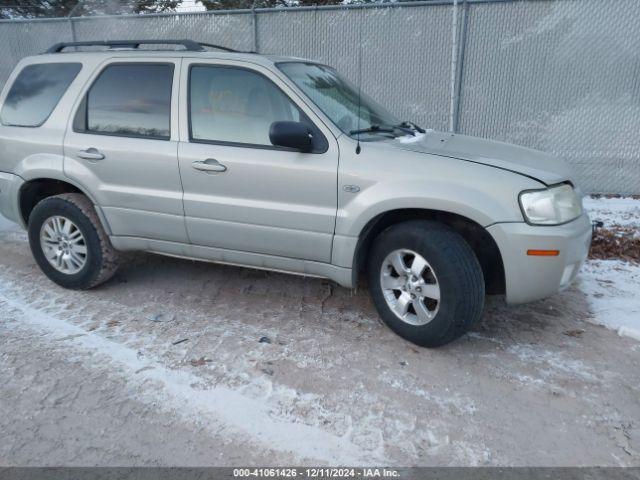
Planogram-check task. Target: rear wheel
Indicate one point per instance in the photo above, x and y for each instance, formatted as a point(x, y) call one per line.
point(69, 243)
point(426, 282)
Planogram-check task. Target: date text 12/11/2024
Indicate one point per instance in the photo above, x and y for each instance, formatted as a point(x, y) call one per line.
point(315, 473)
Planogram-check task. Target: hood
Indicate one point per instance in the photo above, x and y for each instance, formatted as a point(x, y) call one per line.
point(532, 163)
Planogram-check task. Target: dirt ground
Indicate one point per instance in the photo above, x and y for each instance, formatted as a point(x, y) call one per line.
point(182, 363)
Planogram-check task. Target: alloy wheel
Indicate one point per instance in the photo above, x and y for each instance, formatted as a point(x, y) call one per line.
point(410, 287)
point(63, 245)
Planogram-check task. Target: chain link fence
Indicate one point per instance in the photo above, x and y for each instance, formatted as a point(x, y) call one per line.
point(562, 76)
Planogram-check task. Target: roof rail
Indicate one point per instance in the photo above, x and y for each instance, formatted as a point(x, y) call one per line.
point(219, 47)
point(189, 45)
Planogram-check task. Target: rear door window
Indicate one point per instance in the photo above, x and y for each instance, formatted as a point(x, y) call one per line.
point(36, 92)
point(131, 100)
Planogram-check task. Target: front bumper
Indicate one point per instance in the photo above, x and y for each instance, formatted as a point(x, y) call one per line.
point(9, 187)
point(530, 278)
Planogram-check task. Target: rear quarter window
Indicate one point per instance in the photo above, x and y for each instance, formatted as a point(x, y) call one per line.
point(132, 99)
point(35, 93)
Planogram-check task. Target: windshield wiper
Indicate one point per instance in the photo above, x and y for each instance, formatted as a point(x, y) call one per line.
point(406, 127)
point(411, 127)
point(373, 129)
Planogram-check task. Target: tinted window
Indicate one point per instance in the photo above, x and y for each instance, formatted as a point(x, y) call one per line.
point(236, 105)
point(131, 100)
point(36, 92)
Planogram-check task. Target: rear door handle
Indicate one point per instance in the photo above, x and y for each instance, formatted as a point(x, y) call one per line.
point(209, 165)
point(91, 154)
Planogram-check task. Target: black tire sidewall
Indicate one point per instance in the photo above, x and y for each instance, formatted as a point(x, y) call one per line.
point(439, 245)
point(53, 206)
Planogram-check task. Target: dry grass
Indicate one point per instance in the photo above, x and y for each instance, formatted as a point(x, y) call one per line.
point(616, 243)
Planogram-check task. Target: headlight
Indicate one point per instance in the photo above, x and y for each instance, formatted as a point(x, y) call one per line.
point(551, 206)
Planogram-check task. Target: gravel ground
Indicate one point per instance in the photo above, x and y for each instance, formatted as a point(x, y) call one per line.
point(276, 369)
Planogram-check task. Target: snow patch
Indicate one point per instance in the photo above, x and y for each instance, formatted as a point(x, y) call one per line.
point(448, 401)
point(551, 363)
point(417, 137)
point(624, 211)
point(612, 288)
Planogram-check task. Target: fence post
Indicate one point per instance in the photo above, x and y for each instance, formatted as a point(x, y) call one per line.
point(73, 30)
point(462, 46)
point(454, 62)
point(71, 24)
point(254, 17)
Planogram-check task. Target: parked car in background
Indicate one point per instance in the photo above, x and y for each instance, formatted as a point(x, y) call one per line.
point(276, 163)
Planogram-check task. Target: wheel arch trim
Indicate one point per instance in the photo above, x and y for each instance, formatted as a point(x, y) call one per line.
point(55, 175)
point(350, 251)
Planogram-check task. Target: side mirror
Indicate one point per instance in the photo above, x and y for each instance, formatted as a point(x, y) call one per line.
point(291, 135)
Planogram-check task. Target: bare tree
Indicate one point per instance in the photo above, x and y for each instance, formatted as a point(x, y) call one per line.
point(31, 9)
point(62, 8)
point(233, 4)
point(321, 2)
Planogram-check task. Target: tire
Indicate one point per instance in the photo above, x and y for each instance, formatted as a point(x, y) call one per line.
point(95, 260)
point(451, 272)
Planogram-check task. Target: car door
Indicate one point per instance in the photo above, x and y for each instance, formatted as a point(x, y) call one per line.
point(241, 193)
point(122, 147)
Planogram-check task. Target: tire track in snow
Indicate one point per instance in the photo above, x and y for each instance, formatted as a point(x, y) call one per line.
point(175, 392)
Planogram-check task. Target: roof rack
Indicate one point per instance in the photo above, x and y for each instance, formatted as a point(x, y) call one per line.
point(189, 45)
point(219, 47)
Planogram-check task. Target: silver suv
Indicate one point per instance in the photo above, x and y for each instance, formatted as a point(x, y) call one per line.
point(281, 164)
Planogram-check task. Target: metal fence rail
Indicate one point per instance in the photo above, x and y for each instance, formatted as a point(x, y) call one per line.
point(558, 75)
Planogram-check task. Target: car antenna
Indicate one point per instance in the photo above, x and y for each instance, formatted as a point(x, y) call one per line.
point(358, 149)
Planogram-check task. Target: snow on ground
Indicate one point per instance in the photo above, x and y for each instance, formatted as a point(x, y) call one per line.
point(238, 412)
point(613, 286)
point(613, 290)
point(620, 211)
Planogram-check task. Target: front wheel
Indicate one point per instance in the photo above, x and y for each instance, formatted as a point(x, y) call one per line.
point(426, 282)
point(69, 243)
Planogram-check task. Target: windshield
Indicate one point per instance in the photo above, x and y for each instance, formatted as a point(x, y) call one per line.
point(338, 99)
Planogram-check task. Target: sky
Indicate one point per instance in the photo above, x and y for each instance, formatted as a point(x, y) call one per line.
point(190, 6)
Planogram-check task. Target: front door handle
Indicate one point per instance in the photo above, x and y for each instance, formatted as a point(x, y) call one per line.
point(91, 154)
point(209, 165)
